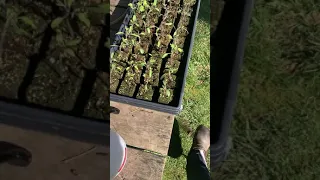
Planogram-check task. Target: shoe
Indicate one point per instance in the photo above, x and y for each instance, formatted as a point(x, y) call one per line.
point(201, 139)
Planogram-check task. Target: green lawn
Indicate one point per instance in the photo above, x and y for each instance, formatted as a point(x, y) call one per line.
point(196, 101)
point(276, 126)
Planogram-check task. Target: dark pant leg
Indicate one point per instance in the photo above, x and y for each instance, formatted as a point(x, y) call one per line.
point(196, 167)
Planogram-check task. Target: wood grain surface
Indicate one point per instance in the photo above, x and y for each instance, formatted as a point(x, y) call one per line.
point(48, 154)
point(142, 166)
point(143, 128)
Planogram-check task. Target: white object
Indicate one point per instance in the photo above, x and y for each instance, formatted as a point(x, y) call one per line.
point(118, 154)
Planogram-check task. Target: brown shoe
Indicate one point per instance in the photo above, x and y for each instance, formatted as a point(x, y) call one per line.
point(201, 139)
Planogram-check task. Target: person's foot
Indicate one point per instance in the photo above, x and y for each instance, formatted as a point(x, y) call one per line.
point(201, 139)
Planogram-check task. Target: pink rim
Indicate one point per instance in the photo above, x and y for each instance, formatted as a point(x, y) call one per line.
point(124, 160)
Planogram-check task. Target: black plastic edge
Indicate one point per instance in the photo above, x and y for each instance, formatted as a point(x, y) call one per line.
point(227, 50)
point(79, 129)
point(152, 105)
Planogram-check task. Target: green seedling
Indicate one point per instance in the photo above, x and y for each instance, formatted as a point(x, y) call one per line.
point(72, 12)
point(175, 48)
point(66, 46)
point(16, 19)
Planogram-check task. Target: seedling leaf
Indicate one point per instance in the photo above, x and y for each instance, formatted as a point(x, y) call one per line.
point(134, 17)
point(168, 92)
point(165, 55)
point(69, 3)
point(28, 21)
point(155, 2)
point(83, 17)
point(141, 9)
point(70, 52)
point(73, 42)
point(56, 22)
point(59, 38)
point(59, 3)
point(180, 50)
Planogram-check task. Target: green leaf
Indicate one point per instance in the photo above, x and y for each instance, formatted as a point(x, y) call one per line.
point(141, 51)
point(134, 17)
point(130, 29)
point(135, 35)
point(168, 93)
point(28, 21)
point(56, 22)
point(157, 9)
point(103, 8)
point(143, 33)
point(70, 52)
point(170, 37)
point(148, 30)
point(119, 33)
point(180, 50)
point(165, 55)
point(69, 3)
point(168, 24)
point(59, 38)
point(145, 3)
point(159, 43)
point(83, 17)
point(73, 42)
point(155, 2)
point(59, 3)
point(150, 73)
point(141, 9)
point(130, 5)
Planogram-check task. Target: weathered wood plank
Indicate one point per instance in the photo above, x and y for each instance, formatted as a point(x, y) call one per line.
point(48, 152)
point(143, 128)
point(142, 166)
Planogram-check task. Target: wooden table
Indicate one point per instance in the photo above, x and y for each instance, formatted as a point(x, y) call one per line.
point(146, 130)
point(55, 157)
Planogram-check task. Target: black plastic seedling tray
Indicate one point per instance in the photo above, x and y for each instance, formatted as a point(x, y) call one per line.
point(56, 122)
point(227, 49)
point(176, 105)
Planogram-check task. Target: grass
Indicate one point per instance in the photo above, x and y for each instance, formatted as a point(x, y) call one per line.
point(276, 126)
point(196, 100)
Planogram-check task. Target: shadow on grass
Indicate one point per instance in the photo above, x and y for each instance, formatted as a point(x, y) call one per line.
point(204, 11)
point(175, 148)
